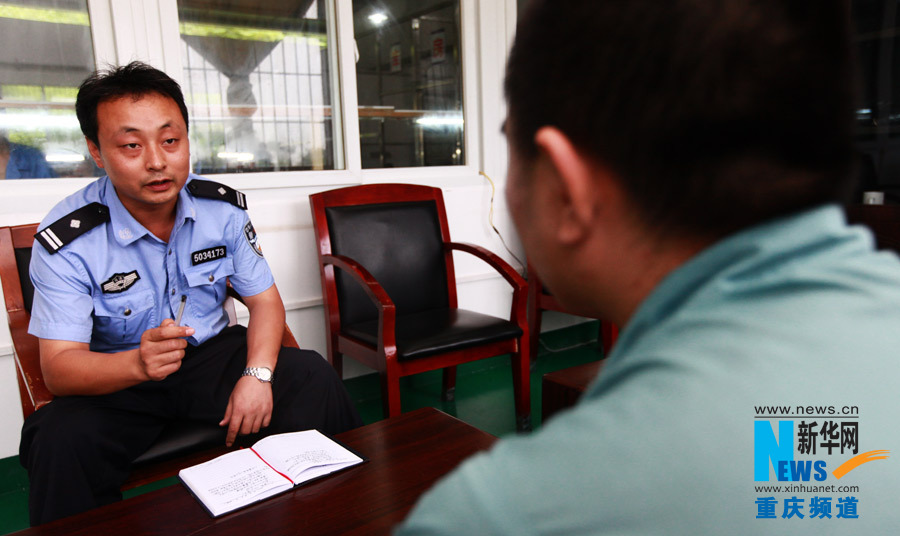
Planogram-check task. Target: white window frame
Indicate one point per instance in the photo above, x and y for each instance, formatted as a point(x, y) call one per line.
point(471, 106)
point(124, 30)
point(345, 98)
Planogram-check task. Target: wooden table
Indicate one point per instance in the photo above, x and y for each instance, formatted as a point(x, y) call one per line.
point(406, 454)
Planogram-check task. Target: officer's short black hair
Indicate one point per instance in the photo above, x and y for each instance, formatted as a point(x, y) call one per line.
point(714, 114)
point(135, 79)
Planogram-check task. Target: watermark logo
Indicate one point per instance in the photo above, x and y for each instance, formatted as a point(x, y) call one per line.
point(807, 450)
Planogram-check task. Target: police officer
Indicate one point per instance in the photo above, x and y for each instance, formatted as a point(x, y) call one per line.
point(113, 266)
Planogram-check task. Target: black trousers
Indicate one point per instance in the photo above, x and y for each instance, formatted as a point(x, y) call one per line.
point(78, 450)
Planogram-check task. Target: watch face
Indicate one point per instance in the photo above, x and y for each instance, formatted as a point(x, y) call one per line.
point(264, 374)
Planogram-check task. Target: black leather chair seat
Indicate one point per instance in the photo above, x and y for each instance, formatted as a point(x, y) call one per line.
point(182, 437)
point(438, 331)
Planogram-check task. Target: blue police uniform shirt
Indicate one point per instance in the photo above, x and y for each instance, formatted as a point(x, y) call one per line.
point(27, 163)
point(112, 283)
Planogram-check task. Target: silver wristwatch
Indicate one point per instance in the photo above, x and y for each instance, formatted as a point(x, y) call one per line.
point(262, 374)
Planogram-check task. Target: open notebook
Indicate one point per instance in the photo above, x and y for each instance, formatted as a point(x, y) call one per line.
point(271, 466)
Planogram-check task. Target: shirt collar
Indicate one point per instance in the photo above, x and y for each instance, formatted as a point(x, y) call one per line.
point(128, 230)
point(745, 255)
point(186, 208)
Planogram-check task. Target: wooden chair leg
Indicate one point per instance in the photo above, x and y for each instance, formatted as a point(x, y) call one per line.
point(521, 370)
point(448, 391)
point(337, 361)
point(609, 332)
point(390, 393)
point(534, 314)
point(534, 334)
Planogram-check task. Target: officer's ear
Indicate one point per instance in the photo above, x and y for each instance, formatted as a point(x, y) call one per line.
point(95, 152)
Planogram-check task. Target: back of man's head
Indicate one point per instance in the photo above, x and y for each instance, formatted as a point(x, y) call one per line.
point(714, 114)
point(133, 80)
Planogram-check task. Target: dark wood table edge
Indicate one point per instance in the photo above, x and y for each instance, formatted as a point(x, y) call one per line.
point(349, 438)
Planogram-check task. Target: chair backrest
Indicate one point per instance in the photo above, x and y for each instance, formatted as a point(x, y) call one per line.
point(396, 232)
point(23, 261)
point(18, 292)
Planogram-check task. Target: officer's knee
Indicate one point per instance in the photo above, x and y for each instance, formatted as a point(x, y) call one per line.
point(304, 365)
point(65, 432)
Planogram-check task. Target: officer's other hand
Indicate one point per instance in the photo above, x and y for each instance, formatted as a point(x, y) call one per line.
point(249, 408)
point(162, 349)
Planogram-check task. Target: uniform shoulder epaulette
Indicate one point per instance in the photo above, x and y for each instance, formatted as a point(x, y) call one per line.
point(74, 224)
point(215, 190)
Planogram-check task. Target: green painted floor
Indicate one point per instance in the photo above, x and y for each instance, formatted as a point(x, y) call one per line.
point(483, 399)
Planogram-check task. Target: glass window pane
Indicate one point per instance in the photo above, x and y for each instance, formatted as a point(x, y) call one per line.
point(257, 81)
point(877, 26)
point(409, 81)
point(867, 18)
point(45, 53)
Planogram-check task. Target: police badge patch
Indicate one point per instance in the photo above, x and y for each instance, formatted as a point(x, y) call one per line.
point(252, 239)
point(119, 282)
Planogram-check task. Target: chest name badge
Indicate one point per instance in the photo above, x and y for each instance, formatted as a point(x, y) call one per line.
point(119, 282)
point(208, 254)
point(252, 238)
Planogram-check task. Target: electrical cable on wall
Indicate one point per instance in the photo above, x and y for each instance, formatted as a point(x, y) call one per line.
point(491, 220)
point(543, 345)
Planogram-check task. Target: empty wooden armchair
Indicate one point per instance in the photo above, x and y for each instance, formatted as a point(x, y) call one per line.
point(389, 286)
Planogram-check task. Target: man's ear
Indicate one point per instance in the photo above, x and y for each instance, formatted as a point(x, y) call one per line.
point(576, 183)
point(95, 152)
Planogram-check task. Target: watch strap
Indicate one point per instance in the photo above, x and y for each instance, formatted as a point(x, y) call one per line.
point(259, 374)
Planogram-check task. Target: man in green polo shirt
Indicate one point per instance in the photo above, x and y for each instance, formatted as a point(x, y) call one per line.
point(675, 168)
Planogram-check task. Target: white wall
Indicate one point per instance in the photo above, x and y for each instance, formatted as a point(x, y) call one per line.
point(279, 204)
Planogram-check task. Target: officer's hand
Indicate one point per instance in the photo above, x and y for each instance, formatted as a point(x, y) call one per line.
point(162, 349)
point(249, 408)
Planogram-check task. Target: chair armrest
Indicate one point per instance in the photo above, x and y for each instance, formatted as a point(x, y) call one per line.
point(27, 356)
point(362, 276)
point(387, 311)
point(519, 310)
point(495, 261)
point(28, 368)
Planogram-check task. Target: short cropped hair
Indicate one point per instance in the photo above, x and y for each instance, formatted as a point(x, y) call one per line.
point(714, 114)
point(135, 80)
